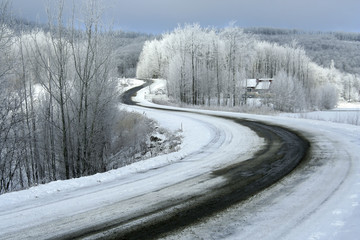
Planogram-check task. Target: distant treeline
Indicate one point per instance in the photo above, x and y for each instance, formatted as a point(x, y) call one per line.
point(127, 49)
point(344, 36)
point(322, 47)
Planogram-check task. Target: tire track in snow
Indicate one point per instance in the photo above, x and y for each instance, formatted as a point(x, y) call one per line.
point(283, 152)
point(170, 207)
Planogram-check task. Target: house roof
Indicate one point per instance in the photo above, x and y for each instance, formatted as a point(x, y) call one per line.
point(251, 83)
point(259, 84)
point(263, 85)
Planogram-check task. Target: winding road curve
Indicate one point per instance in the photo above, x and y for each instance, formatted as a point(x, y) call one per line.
point(157, 204)
point(283, 151)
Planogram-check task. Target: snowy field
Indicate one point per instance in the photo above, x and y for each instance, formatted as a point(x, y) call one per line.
point(319, 201)
point(345, 113)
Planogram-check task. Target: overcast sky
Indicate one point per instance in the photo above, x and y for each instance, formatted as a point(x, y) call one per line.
point(158, 16)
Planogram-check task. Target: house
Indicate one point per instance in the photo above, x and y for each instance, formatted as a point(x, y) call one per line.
point(254, 87)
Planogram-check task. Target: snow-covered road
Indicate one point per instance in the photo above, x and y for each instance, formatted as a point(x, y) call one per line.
point(320, 200)
point(62, 208)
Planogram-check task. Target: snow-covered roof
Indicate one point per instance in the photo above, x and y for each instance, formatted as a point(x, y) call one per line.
point(259, 84)
point(251, 83)
point(263, 85)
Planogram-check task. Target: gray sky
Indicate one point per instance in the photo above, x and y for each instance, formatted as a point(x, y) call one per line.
point(158, 16)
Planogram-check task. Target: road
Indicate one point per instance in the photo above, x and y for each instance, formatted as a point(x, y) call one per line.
point(197, 195)
point(282, 152)
point(320, 199)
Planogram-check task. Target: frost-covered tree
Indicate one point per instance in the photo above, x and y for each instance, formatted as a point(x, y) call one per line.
point(327, 97)
point(10, 105)
point(207, 66)
point(287, 93)
point(152, 62)
point(59, 101)
point(235, 46)
point(92, 95)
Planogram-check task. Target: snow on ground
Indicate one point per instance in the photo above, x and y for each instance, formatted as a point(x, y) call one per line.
point(128, 83)
point(348, 105)
point(338, 115)
point(206, 140)
point(345, 112)
point(319, 201)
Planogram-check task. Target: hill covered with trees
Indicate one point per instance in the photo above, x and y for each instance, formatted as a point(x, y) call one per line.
point(322, 47)
point(210, 66)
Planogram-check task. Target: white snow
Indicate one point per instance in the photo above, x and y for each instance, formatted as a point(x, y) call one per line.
point(338, 115)
point(349, 105)
point(320, 201)
point(321, 204)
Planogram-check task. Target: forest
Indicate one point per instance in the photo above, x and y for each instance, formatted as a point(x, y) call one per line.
point(321, 47)
point(207, 66)
point(60, 95)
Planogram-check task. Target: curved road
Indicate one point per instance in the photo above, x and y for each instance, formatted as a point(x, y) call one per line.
point(176, 199)
point(283, 151)
point(168, 197)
